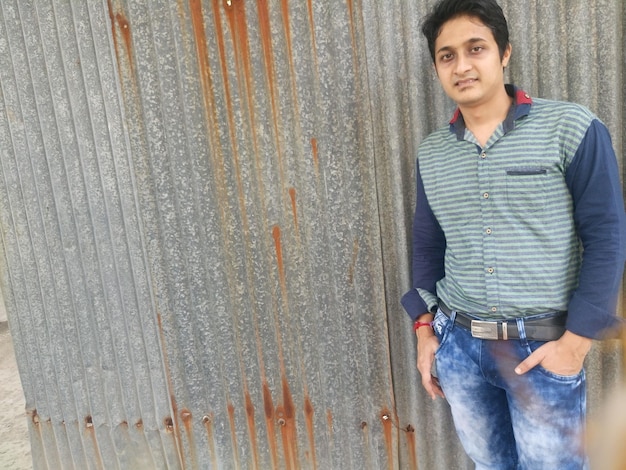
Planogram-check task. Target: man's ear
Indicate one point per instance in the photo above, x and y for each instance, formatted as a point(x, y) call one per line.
point(506, 56)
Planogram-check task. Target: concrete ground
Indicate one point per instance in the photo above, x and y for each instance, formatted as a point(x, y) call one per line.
point(14, 439)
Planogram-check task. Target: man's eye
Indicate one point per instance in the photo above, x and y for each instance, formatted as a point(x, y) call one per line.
point(445, 57)
point(477, 48)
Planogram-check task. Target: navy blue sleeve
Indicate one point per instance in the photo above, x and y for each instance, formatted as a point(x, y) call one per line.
point(429, 246)
point(593, 180)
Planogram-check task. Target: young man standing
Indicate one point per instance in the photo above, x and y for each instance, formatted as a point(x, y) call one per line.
point(518, 251)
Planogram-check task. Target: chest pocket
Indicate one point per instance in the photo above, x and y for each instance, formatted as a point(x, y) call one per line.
point(525, 188)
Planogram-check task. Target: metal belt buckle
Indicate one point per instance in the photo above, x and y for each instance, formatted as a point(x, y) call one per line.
point(484, 329)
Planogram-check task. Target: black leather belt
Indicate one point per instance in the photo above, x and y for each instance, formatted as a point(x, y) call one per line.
point(541, 329)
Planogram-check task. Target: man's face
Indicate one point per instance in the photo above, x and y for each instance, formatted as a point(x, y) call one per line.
point(467, 62)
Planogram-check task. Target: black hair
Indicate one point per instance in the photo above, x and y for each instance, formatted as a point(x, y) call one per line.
point(487, 11)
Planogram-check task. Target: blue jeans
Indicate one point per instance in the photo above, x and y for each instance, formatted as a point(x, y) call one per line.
point(505, 421)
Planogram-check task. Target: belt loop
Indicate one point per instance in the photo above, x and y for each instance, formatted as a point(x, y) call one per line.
point(453, 316)
point(521, 330)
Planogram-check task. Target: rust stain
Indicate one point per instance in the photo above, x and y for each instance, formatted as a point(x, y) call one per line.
point(410, 441)
point(284, 6)
point(124, 27)
point(279, 257)
point(350, 6)
point(170, 386)
point(234, 12)
point(294, 207)
point(94, 441)
point(120, 23)
point(268, 407)
point(268, 52)
point(252, 428)
point(355, 62)
point(292, 68)
point(329, 421)
point(207, 420)
point(315, 152)
point(268, 57)
point(309, 413)
point(236, 21)
point(233, 434)
point(309, 5)
point(168, 422)
point(287, 421)
point(34, 417)
point(36, 432)
point(113, 34)
point(187, 419)
point(387, 421)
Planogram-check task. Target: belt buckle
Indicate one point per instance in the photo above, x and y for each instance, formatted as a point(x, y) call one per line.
point(484, 329)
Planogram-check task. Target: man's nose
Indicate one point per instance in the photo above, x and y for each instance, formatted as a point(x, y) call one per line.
point(463, 64)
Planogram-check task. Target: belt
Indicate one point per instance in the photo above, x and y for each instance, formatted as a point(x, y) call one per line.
point(540, 329)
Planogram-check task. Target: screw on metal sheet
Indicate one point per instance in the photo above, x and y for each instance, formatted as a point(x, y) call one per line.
point(139, 424)
point(281, 421)
point(363, 424)
point(169, 424)
point(385, 417)
point(36, 419)
point(229, 3)
point(206, 419)
point(89, 422)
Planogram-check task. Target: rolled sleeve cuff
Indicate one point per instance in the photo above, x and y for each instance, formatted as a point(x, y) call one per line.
point(414, 304)
point(587, 320)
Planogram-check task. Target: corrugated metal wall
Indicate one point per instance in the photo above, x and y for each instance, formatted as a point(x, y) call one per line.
point(205, 211)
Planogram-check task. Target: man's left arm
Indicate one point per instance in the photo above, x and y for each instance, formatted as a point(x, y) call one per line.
point(593, 181)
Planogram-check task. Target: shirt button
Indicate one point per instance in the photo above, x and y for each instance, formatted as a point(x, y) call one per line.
point(494, 309)
point(488, 231)
point(490, 270)
point(486, 195)
point(483, 155)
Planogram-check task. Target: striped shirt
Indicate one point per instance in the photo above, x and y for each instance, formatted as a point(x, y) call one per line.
point(530, 224)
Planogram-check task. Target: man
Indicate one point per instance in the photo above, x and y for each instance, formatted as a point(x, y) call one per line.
point(518, 251)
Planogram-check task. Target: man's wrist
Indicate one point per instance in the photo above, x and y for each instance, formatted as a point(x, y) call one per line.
point(576, 342)
point(423, 325)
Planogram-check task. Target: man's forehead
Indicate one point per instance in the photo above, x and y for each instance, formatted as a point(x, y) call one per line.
point(462, 28)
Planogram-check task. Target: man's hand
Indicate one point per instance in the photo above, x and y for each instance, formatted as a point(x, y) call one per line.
point(427, 344)
point(565, 356)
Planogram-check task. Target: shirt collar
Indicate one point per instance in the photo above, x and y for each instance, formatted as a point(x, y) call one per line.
point(520, 108)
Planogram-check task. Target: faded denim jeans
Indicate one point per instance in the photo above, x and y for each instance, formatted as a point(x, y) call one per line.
point(506, 422)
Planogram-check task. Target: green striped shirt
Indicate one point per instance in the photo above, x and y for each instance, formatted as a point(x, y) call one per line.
point(511, 244)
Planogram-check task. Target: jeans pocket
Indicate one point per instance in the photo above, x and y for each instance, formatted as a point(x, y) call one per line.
point(441, 326)
point(532, 347)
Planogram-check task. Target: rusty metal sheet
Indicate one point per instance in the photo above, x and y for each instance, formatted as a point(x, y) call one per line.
point(206, 209)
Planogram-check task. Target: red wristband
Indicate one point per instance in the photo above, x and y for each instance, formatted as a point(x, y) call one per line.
point(419, 324)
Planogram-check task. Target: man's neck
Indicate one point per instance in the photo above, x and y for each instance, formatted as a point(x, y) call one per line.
point(482, 120)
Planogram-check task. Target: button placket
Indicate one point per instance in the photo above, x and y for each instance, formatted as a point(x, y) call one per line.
point(489, 240)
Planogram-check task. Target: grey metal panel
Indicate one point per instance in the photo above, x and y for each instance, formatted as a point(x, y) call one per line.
point(206, 209)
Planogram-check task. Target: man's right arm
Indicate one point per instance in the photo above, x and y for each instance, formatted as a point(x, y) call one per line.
point(429, 246)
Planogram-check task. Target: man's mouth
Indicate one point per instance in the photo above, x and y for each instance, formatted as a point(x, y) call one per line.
point(465, 82)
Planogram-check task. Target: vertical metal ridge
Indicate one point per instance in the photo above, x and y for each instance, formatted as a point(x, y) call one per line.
point(206, 210)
